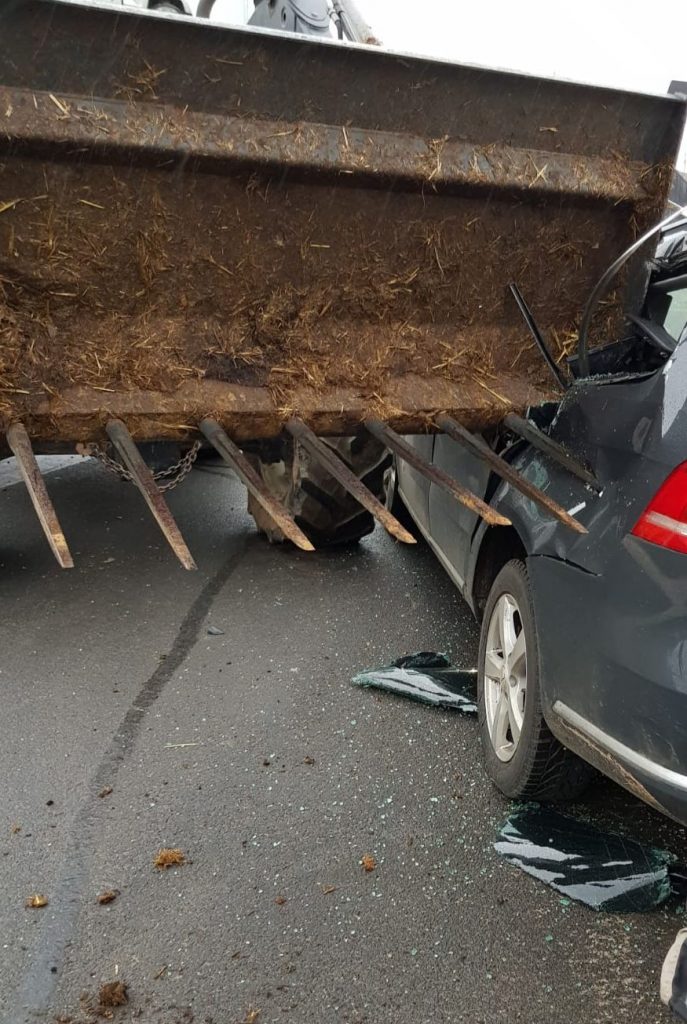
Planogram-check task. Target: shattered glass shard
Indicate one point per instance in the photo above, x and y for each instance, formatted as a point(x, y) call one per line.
point(426, 677)
point(600, 869)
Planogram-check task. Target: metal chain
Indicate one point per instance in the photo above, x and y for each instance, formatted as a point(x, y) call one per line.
point(178, 471)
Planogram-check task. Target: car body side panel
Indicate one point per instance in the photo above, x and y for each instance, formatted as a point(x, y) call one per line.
point(614, 648)
point(537, 530)
point(632, 432)
point(413, 486)
point(452, 524)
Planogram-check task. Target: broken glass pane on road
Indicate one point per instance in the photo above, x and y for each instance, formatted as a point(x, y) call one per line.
point(600, 869)
point(426, 677)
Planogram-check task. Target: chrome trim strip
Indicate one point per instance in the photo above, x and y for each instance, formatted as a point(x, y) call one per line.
point(620, 750)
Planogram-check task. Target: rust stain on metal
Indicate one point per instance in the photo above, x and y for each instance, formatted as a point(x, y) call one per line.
point(143, 478)
point(404, 451)
point(477, 447)
point(20, 445)
point(340, 471)
point(609, 765)
point(236, 460)
point(407, 403)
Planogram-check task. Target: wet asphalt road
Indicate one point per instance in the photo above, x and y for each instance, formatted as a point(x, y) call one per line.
point(110, 679)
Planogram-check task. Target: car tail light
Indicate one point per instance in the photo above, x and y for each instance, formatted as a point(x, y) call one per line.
point(664, 520)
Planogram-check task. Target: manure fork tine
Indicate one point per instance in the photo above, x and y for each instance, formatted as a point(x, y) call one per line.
point(20, 445)
point(144, 480)
point(236, 460)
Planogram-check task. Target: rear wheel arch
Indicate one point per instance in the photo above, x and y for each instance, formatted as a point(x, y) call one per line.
point(499, 545)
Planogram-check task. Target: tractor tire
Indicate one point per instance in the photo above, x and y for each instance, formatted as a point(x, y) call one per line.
point(322, 507)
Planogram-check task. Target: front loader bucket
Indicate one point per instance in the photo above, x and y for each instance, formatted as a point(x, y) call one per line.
point(202, 221)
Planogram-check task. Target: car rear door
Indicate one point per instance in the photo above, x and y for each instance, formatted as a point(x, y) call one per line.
point(413, 486)
point(451, 524)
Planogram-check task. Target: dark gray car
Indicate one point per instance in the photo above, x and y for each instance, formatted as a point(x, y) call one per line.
point(583, 650)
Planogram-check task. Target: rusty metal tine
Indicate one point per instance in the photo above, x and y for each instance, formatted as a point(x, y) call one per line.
point(144, 480)
point(523, 428)
point(20, 445)
point(234, 457)
point(340, 471)
point(476, 446)
point(397, 444)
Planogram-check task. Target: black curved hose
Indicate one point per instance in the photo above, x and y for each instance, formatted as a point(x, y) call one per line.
point(538, 336)
point(603, 282)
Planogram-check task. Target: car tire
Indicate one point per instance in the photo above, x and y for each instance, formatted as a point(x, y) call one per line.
point(523, 757)
point(322, 507)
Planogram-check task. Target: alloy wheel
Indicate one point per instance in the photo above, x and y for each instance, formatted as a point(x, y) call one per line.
point(505, 677)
